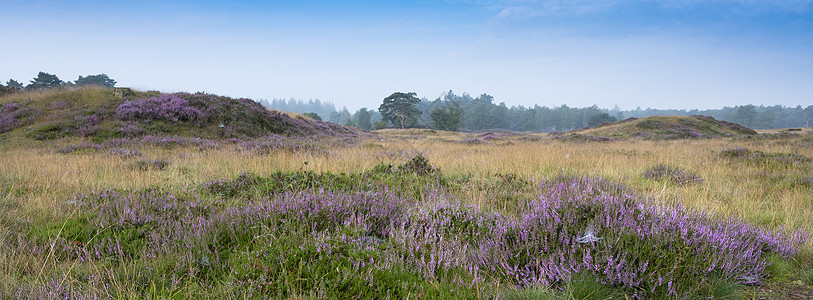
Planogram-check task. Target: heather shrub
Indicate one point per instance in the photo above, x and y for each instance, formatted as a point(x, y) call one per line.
point(85, 125)
point(418, 165)
point(173, 113)
point(672, 174)
point(7, 122)
point(168, 107)
point(13, 115)
point(131, 129)
point(357, 235)
point(586, 225)
point(9, 107)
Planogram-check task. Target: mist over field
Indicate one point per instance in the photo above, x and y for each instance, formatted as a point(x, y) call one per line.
point(658, 54)
point(486, 149)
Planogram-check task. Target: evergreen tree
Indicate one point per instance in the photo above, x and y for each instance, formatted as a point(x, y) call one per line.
point(100, 80)
point(14, 84)
point(44, 81)
point(447, 118)
point(363, 119)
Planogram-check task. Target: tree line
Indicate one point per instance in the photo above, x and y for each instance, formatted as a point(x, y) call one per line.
point(47, 80)
point(465, 112)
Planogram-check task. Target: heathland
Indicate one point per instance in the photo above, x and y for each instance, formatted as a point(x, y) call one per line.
point(154, 195)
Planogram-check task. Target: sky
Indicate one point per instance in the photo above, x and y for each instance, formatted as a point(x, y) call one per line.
point(680, 54)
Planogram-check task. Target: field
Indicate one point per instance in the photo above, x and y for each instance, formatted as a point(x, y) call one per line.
point(412, 213)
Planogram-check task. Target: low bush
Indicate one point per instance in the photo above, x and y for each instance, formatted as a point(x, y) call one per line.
point(672, 174)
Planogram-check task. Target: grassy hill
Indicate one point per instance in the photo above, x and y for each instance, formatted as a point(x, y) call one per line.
point(662, 128)
point(99, 113)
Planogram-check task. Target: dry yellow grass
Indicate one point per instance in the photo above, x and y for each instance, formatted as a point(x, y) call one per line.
point(40, 177)
point(83, 95)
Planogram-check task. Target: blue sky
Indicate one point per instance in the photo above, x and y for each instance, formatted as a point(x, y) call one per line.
point(647, 53)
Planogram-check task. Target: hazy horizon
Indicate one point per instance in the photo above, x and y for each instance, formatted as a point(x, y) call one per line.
point(661, 54)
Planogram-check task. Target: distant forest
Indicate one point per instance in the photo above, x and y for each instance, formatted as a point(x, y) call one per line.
point(481, 113)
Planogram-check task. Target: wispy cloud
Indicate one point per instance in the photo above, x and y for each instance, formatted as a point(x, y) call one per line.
point(540, 8)
point(784, 6)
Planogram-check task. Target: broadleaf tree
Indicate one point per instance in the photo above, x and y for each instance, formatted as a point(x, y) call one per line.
point(399, 108)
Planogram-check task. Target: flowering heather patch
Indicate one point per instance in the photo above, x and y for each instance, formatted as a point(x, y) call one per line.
point(218, 116)
point(7, 122)
point(182, 114)
point(131, 130)
point(168, 107)
point(673, 174)
point(12, 115)
point(650, 249)
point(85, 125)
point(9, 107)
point(247, 118)
point(377, 243)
